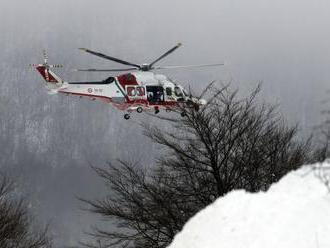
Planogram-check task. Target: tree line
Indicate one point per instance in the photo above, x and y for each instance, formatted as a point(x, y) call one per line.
point(17, 227)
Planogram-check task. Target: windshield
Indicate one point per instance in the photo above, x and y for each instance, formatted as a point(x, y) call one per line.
point(177, 91)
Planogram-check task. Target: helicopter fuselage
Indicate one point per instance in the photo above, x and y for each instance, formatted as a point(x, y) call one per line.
point(141, 91)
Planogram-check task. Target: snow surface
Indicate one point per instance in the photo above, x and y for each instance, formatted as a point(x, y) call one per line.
point(293, 213)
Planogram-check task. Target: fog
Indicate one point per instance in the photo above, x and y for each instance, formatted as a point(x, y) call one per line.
point(48, 142)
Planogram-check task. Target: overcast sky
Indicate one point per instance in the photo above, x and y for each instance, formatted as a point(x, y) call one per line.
point(283, 43)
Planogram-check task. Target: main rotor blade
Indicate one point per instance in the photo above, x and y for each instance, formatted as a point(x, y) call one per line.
point(96, 70)
point(186, 66)
point(109, 57)
point(165, 54)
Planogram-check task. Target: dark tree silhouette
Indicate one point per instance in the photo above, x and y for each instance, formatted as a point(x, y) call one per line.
point(230, 143)
point(16, 227)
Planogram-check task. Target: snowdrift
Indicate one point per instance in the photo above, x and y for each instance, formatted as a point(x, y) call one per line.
point(295, 212)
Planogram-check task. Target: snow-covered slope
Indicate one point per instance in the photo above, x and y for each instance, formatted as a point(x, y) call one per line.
point(293, 213)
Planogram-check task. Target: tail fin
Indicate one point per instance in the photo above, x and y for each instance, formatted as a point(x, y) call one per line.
point(52, 80)
point(48, 75)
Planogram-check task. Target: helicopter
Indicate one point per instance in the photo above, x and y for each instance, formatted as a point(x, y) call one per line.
point(138, 89)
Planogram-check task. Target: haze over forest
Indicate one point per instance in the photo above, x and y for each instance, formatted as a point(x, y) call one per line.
point(48, 142)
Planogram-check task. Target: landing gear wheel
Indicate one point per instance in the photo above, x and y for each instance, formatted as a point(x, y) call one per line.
point(183, 114)
point(127, 116)
point(139, 109)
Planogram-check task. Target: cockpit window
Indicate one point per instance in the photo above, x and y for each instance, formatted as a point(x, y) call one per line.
point(169, 91)
point(177, 91)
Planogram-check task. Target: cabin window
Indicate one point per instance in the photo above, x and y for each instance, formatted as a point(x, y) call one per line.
point(131, 91)
point(169, 91)
point(140, 91)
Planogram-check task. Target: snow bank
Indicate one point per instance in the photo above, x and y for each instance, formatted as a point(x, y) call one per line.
point(293, 213)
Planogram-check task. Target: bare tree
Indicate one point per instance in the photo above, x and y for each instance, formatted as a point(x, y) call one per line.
point(16, 226)
point(237, 142)
point(230, 143)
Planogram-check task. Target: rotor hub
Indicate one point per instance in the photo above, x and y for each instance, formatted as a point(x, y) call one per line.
point(145, 67)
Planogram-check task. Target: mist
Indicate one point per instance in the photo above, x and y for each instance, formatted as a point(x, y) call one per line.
point(48, 142)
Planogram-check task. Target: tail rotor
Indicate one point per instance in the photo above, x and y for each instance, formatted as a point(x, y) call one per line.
point(44, 53)
point(45, 64)
point(45, 72)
